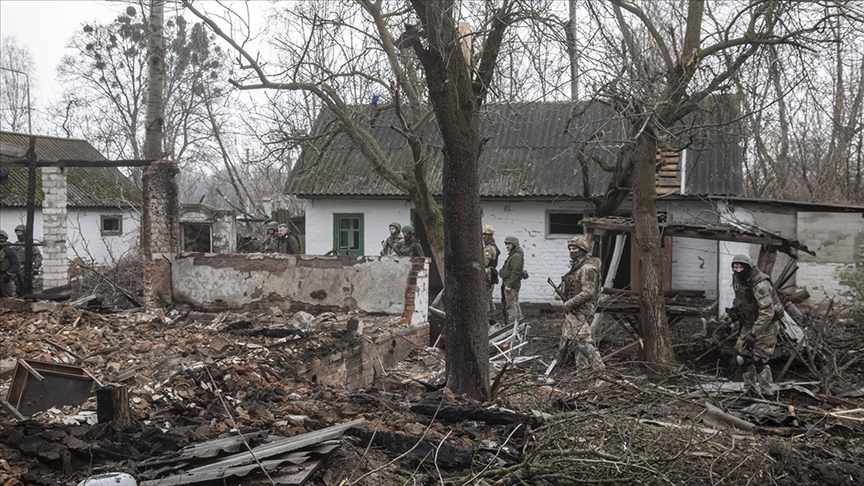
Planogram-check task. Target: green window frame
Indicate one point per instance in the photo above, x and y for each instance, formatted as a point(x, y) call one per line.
point(111, 225)
point(348, 233)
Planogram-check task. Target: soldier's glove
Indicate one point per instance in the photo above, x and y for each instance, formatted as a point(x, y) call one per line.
point(7, 278)
point(748, 342)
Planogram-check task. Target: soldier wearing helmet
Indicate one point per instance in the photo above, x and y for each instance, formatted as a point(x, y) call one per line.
point(390, 246)
point(9, 266)
point(271, 243)
point(410, 246)
point(490, 264)
point(581, 292)
point(511, 275)
point(759, 310)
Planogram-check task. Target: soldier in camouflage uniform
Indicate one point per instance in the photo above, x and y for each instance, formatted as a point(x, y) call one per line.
point(287, 242)
point(760, 311)
point(581, 291)
point(511, 275)
point(37, 259)
point(410, 247)
point(390, 246)
point(490, 262)
point(9, 266)
point(271, 243)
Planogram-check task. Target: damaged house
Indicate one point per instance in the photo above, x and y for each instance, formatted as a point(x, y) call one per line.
point(538, 171)
point(102, 205)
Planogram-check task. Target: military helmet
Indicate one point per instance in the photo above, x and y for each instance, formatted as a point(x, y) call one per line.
point(512, 240)
point(488, 229)
point(20, 228)
point(273, 225)
point(3, 234)
point(579, 242)
point(408, 229)
point(742, 258)
point(397, 226)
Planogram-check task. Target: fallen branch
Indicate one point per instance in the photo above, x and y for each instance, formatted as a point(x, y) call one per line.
point(128, 295)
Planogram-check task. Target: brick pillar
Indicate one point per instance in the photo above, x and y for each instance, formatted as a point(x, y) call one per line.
point(417, 293)
point(55, 267)
point(160, 230)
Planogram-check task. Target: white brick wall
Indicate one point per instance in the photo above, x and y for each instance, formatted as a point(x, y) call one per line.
point(82, 231)
point(833, 236)
point(544, 257)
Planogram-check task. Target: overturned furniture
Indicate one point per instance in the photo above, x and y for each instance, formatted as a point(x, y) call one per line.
point(38, 386)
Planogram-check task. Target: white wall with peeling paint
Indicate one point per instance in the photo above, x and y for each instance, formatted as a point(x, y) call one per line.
point(369, 284)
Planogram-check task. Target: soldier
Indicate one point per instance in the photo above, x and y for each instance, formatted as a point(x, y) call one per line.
point(390, 246)
point(37, 259)
point(759, 310)
point(511, 275)
point(410, 246)
point(9, 266)
point(490, 264)
point(271, 243)
point(581, 291)
point(287, 242)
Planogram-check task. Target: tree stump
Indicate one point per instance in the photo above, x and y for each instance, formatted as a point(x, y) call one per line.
point(112, 405)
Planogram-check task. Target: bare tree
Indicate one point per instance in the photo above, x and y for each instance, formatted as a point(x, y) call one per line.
point(105, 86)
point(339, 53)
point(804, 139)
point(657, 63)
point(155, 79)
point(16, 79)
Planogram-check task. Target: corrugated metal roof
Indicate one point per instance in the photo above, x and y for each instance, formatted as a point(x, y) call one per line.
point(86, 186)
point(531, 152)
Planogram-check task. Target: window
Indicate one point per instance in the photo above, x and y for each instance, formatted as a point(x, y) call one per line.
point(348, 234)
point(196, 237)
point(112, 225)
point(563, 224)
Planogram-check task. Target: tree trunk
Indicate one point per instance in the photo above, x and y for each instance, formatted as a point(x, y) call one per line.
point(653, 324)
point(456, 107)
point(155, 78)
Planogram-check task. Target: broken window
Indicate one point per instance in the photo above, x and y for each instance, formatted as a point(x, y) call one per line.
point(111, 225)
point(348, 234)
point(197, 237)
point(562, 224)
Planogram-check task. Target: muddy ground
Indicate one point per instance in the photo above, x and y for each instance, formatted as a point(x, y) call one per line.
point(195, 377)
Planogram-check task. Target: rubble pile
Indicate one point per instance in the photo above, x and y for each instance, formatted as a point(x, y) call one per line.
point(206, 388)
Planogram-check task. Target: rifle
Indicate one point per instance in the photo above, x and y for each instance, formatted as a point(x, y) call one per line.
point(386, 244)
point(504, 303)
point(557, 290)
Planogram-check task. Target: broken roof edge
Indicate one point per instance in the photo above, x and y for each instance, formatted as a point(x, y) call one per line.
point(702, 230)
point(845, 208)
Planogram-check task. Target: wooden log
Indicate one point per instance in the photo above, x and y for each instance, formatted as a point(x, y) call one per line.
point(112, 405)
point(798, 297)
point(767, 257)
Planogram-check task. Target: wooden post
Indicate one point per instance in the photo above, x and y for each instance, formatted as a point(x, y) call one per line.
point(112, 405)
point(767, 257)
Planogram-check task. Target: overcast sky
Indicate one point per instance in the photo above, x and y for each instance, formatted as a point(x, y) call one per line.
point(45, 26)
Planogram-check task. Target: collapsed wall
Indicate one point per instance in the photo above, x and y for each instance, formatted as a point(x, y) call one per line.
point(373, 285)
point(391, 286)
